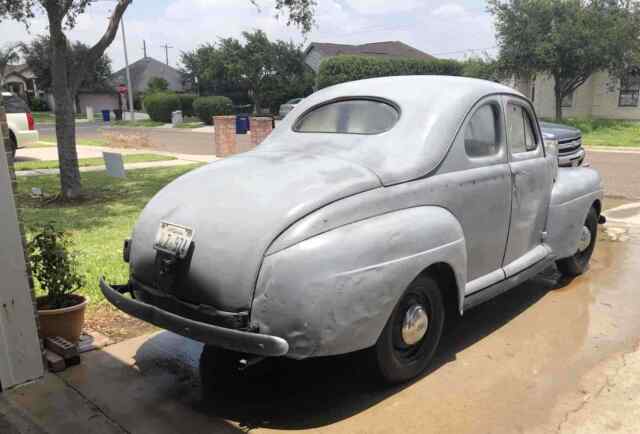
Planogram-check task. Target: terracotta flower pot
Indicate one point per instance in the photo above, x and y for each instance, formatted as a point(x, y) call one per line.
point(66, 322)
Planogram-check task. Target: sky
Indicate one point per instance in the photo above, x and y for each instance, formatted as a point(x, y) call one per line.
point(446, 29)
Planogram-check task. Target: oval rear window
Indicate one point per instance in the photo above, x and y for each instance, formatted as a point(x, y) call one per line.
point(351, 116)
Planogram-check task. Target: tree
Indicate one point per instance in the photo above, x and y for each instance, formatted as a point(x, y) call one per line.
point(157, 84)
point(267, 72)
point(569, 40)
point(62, 16)
point(37, 54)
point(8, 54)
point(484, 68)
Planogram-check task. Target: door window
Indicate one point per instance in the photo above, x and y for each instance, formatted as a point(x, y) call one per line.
point(481, 137)
point(520, 131)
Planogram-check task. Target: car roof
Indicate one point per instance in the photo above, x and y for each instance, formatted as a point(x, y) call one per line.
point(432, 110)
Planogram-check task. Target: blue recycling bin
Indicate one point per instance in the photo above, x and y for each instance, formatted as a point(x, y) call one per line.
point(242, 124)
point(106, 115)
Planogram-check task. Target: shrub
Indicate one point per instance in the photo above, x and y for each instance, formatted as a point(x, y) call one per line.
point(157, 84)
point(54, 267)
point(341, 69)
point(207, 107)
point(39, 105)
point(186, 104)
point(160, 105)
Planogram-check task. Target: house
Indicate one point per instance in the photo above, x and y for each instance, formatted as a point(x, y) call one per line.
point(316, 52)
point(144, 70)
point(601, 96)
point(20, 80)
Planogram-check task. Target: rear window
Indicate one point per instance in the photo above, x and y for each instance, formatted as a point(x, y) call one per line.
point(15, 104)
point(353, 116)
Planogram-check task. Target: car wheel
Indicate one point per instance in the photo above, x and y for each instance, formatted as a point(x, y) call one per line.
point(13, 145)
point(218, 370)
point(412, 333)
point(577, 264)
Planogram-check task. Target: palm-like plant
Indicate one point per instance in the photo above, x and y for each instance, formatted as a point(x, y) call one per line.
point(8, 54)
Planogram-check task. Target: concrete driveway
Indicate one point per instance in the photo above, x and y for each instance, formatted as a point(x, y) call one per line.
point(544, 357)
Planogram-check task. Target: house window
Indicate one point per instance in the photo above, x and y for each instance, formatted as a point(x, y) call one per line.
point(567, 101)
point(629, 91)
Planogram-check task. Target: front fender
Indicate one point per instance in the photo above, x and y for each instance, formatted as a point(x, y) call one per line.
point(573, 194)
point(333, 293)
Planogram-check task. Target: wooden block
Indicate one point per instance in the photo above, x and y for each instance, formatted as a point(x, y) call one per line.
point(55, 363)
point(61, 347)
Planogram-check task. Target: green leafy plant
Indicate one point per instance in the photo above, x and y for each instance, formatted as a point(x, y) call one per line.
point(340, 69)
point(160, 105)
point(186, 103)
point(157, 84)
point(209, 106)
point(39, 105)
point(55, 268)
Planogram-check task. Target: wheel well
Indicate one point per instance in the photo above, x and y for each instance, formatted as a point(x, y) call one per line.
point(446, 278)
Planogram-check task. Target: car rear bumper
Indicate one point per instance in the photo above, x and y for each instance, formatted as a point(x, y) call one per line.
point(235, 340)
point(572, 159)
point(25, 138)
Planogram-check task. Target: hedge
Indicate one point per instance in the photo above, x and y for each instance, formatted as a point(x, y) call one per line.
point(341, 69)
point(207, 107)
point(160, 105)
point(186, 103)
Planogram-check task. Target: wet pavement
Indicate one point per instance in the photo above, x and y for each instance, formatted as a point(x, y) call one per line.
point(540, 358)
point(619, 170)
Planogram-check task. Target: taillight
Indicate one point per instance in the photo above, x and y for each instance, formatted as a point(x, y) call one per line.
point(30, 121)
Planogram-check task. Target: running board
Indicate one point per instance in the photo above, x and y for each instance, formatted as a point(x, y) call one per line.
point(473, 300)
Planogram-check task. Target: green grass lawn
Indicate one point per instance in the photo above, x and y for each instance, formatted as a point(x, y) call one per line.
point(49, 117)
point(98, 224)
point(190, 125)
point(606, 132)
point(84, 162)
point(136, 124)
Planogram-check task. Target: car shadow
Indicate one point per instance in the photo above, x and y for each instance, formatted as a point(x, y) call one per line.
point(287, 394)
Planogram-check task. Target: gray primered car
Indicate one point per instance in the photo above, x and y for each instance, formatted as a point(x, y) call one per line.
point(567, 139)
point(372, 212)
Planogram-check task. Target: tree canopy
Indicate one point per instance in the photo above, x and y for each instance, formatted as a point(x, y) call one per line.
point(569, 40)
point(37, 54)
point(267, 73)
point(8, 55)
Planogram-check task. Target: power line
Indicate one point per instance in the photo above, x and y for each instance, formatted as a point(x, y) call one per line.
point(463, 51)
point(166, 52)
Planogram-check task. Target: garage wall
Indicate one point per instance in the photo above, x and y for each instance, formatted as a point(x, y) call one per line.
point(98, 102)
point(20, 355)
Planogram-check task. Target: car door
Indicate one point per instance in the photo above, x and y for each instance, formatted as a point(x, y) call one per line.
point(531, 179)
point(485, 192)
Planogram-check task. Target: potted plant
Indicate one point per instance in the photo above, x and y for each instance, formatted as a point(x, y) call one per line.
point(54, 266)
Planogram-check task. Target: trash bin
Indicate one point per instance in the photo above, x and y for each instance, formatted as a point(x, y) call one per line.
point(118, 114)
point(242, 124)
point(106, 115)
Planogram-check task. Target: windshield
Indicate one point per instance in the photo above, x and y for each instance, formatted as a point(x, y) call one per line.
point(353, 116)
point(14, 104)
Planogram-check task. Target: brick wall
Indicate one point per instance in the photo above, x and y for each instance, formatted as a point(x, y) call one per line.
point(225, 135)
point(261, 127)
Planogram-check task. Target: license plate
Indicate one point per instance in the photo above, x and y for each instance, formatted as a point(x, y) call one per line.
point(173, 239)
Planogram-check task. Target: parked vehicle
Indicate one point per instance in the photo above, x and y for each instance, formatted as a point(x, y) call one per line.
point(22, 128)
point(288, 106)
point(362, 221)
point(567, 139)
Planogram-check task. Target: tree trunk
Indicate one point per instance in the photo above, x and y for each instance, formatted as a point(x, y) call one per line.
point(70, 184)
point(558, 99)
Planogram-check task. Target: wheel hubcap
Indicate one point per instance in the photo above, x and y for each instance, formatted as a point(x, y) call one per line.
point(415, 324)
point(585, 239)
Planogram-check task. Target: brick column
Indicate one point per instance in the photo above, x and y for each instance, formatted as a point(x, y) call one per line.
point(225, 135)
point(260, 128)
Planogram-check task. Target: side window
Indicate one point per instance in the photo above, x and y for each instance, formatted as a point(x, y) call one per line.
point(481, 136)
point(520, 132)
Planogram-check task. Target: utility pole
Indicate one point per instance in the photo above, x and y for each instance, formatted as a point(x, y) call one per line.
point(126, 63)
point(166, 52)
point(144, 48)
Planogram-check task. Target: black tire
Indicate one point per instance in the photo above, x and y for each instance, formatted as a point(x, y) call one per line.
point(578, 263)
point(13, 145)
point(219, 370)
point(397, 362)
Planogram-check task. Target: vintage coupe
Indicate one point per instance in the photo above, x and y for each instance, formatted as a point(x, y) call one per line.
point(375, 209)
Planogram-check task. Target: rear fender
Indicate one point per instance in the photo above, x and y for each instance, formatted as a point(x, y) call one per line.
point(333, 293)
